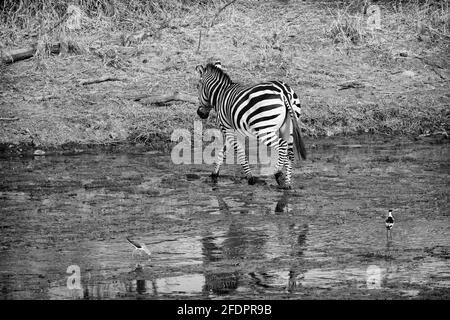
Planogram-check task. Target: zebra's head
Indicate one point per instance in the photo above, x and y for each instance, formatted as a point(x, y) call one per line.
point(209, 76)
point(203, 94)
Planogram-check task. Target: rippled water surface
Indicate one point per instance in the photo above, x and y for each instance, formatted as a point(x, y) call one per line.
point(65, 219)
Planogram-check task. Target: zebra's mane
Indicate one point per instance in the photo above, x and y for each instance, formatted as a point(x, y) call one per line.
point(219, 72)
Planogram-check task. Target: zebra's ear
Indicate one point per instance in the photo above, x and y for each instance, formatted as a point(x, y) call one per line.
point(218, 64)
point(200, 69)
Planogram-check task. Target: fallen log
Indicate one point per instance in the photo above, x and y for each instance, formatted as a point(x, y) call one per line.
point(98, 80)
point(45, 97)
point(17, 55)
point(351, 84)
point(25, 53)
point(9, 119)
point(161, 99)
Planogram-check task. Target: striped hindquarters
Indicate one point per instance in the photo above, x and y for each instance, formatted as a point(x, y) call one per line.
point(254, 110)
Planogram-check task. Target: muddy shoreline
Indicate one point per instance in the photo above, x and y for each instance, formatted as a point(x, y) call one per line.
point(164, 144)
point(323, 240)
point(28, 150)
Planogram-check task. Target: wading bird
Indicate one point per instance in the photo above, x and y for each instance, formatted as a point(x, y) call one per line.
point(139, 247)
point(389, 222)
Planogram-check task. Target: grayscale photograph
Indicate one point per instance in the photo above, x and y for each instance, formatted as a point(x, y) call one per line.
point(224, 150)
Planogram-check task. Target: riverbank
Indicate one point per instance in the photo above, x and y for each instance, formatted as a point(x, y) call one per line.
point(392, 81)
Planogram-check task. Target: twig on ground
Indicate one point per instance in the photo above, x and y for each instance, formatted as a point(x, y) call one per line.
point(433, 65)
point(99, 80)
point(63, 18)
point(438, 33)
point(199, 41)
point(350, 84)
point(57, 24)
point(9, 119)
point(160, 99)
point(438, 73)
point(432, 134)
point(46, 97)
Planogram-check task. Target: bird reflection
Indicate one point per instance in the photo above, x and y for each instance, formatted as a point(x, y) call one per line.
point(138, 273)
point(141, 282)
point(141, 286)
point(388, 253)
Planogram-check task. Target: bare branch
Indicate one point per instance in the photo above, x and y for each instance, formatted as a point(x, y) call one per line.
point(211, 24)
point(160, 99)
point(220, 10)
point(199, 41)
point(98, 80)
point(351, 84)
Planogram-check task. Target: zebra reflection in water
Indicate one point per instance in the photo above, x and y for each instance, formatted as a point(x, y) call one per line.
point(241, 245)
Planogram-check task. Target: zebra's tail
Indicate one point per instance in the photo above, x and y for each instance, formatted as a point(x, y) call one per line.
point(298, 141)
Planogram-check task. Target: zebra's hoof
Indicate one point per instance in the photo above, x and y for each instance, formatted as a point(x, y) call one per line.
point(214, 177)
point(285, 187)
point(251, 180)
point(280, 179)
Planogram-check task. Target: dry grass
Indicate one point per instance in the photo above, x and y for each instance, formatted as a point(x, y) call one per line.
point(347, 29)
point(154, 45)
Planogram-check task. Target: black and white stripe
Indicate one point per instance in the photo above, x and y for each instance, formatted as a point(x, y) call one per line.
point(268, 111)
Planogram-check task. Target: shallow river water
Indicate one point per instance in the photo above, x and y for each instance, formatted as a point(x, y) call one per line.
point(64, 222)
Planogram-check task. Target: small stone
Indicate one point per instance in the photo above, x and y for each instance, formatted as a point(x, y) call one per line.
point(408, 73)
point(39, 152)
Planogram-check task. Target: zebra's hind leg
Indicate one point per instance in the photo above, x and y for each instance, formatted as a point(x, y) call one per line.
point(244, 163)
point(220, 159)
point(279, 178)
point(282, 160)
point(289, 162)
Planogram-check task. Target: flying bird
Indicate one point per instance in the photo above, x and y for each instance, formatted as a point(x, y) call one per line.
point(139, 247)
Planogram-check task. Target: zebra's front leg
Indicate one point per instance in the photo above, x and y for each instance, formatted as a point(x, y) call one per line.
point(220, 159)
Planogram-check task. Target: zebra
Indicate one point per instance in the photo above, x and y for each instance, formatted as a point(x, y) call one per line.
point(268, 111)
